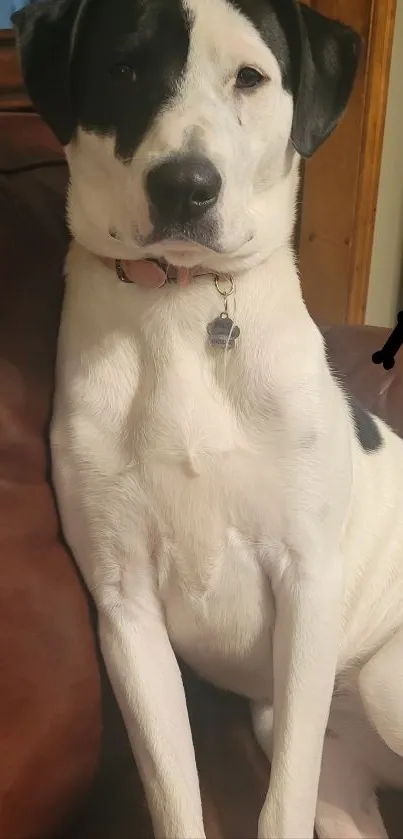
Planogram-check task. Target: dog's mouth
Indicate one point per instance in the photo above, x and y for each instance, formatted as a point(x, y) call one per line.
point(188, 252)
point(183, 250)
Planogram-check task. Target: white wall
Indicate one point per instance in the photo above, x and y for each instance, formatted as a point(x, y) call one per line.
point(386, 278)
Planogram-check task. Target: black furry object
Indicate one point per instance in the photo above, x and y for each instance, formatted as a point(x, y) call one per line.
point(386, 355)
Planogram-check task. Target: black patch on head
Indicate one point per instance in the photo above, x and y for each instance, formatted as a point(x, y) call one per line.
point(127, 60)
point(152, 40)
point(318, 59)
point(366, 429)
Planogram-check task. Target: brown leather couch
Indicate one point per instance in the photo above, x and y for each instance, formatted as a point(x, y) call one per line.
point(66, 771)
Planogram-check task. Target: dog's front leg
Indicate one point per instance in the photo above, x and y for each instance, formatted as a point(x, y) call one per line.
point(306, 638)
point(147, 683)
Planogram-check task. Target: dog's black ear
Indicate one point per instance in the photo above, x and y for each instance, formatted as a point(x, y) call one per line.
point(328, 64)
point(44, 33)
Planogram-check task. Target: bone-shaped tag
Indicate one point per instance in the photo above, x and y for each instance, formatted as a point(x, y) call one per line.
point(386, 355)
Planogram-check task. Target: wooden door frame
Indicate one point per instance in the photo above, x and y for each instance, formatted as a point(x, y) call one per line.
point(337, 229)
point(383, 15)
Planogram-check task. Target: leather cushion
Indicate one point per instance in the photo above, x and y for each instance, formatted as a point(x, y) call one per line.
point(50, 694)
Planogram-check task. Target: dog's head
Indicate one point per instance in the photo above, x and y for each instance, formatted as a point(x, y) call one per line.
point(183, 120)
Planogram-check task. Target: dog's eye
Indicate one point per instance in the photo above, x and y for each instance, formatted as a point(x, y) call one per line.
point(123, 71)
point(248, 78)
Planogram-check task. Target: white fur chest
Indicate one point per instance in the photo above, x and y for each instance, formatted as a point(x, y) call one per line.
point(207, 491)
point(194, 440)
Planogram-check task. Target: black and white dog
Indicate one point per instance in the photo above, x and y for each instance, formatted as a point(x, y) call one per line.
point(215, 486)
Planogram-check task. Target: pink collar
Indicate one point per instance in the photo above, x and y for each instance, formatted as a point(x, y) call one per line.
point(152, 273)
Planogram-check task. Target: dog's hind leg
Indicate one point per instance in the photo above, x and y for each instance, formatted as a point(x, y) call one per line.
point(347, 805)
point(381, 689)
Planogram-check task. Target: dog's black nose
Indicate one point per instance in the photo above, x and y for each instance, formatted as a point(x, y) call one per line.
point(183, 189)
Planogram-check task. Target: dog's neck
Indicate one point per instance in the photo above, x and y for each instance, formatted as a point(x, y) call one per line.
point(153, 273)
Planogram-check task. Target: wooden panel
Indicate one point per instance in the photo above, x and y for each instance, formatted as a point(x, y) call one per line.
point(330, 193)
point(12, 96)
point(341, 180)
point(377, 88)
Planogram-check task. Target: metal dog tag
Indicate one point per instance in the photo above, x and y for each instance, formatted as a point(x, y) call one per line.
point(222, 332)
